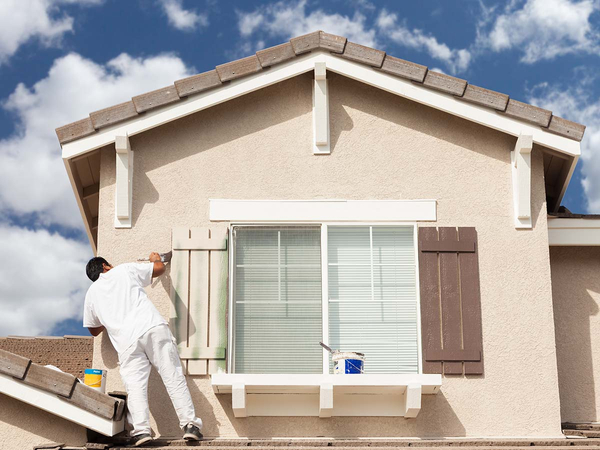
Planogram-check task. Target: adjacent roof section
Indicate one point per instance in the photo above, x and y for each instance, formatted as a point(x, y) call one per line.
point(339, 46)
point(71, 354)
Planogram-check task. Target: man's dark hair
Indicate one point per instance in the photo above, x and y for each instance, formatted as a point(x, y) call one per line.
point(95, 267)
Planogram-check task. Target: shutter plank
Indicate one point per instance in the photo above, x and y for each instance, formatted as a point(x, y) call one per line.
point(50, 380)
point(93, 401)
point(219, 270)
point(180, 289)
point(470, 301)
point(198, 309)
point(450, 299)
point(430, 303)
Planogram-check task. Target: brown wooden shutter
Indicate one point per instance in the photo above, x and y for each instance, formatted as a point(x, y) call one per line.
point(450, 301)
point(199, 273)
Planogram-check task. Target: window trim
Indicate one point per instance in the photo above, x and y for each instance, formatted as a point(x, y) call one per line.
point(324, 281)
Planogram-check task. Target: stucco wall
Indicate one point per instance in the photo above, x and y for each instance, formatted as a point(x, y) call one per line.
point(23, 426)
point(383, 147)
point(576, 296)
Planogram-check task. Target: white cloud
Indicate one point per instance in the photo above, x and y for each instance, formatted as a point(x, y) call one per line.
point(457, 59)
point(183, 19)
point(44, 281)
point(577, 103)
point(542, 29)
point(287, 20)
point(24, 20)
point(32, 175)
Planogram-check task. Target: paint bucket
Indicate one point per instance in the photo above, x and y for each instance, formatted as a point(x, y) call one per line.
point(96, 379)
point(348, 362)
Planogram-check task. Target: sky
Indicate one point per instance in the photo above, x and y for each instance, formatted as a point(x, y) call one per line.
point(62, 59)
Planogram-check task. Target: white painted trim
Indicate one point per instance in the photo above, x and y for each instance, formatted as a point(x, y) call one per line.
point(418, 294)
point(568, 232)
point(520, 159)
point(321, 133)
point(306, 63)
point(326, 395)
point(231, 308)
point(325, 295)
point(124, 182)
point(53, 404)
point(79, 199)
point(322, 210)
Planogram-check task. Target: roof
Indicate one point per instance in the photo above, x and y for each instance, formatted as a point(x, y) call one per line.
point(339, 46)
point(71, 354)
point(59, 393)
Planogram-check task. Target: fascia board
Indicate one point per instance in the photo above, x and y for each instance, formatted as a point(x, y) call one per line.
point(303, 64)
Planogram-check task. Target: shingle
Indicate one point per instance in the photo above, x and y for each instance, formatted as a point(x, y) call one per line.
point(239, 68)
point(404, 69)
point(306, 43)
point(155, 99)
point(485, 97)
point(365, 55)
point(331, 42)
point(198, 83)
point(444, 83)
point(274, 55)
point(114, 114)
point(528, 113)
point(566, 128)
point(75, 130)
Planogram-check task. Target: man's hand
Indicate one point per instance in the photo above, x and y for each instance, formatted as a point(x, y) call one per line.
point(159, 267)
point(154, 257)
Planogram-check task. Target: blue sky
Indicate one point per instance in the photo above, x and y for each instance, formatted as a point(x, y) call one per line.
point(61, 59)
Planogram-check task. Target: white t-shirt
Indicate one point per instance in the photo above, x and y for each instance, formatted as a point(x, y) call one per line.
point(117, 301)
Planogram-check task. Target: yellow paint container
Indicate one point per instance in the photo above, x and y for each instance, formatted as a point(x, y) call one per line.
point(96, 379)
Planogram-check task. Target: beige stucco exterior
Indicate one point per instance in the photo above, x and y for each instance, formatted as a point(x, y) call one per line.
point(576, 294)
point(383, 147)
point(23, 426)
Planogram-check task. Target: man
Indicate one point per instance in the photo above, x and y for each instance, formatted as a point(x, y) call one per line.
point(116, 302)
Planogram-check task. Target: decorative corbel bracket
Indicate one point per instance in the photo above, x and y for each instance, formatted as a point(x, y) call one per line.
point(124, 182)
point(521, 178)
point(321, 111)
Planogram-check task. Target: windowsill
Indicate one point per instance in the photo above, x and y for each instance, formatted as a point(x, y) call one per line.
point(326, 395)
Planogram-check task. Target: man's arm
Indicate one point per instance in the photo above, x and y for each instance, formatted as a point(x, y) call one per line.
point(159, 266)
point(96, 331)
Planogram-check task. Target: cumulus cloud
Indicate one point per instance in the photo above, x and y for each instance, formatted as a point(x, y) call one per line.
point(24, 20)
point(181, 18)
point(43, 284)
point(578, 103)
point(289, 19)
point(32, 175)
point(457, 60)
point(541, 29)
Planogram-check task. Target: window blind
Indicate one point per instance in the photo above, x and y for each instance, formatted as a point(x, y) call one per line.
point(277, 300)
point(372, 295)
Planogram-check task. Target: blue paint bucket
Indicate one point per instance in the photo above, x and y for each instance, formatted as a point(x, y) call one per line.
point(348, 362)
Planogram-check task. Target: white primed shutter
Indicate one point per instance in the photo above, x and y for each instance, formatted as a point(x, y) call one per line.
point(199, 272)
point(372, 295)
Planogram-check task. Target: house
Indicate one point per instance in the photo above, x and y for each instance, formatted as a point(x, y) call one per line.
point(325, 191)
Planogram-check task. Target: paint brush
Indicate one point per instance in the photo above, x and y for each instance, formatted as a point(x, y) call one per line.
point(164, 257)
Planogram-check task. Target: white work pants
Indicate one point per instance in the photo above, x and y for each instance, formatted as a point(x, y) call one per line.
point(156, 347)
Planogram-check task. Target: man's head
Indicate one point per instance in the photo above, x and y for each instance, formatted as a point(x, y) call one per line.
point(96, 266)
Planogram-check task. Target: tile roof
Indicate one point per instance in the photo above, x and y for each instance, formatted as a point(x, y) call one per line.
point(62, 384)
point(71, 354)
point(339, 46)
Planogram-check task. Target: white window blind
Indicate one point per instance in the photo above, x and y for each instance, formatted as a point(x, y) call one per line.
point(372, 295)
point(277, 300)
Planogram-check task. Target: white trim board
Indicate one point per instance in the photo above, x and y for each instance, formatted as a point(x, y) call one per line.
point(306, 63)
point(62, 408)
point(326, 395)
point(572, 232)
point(322, 210)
